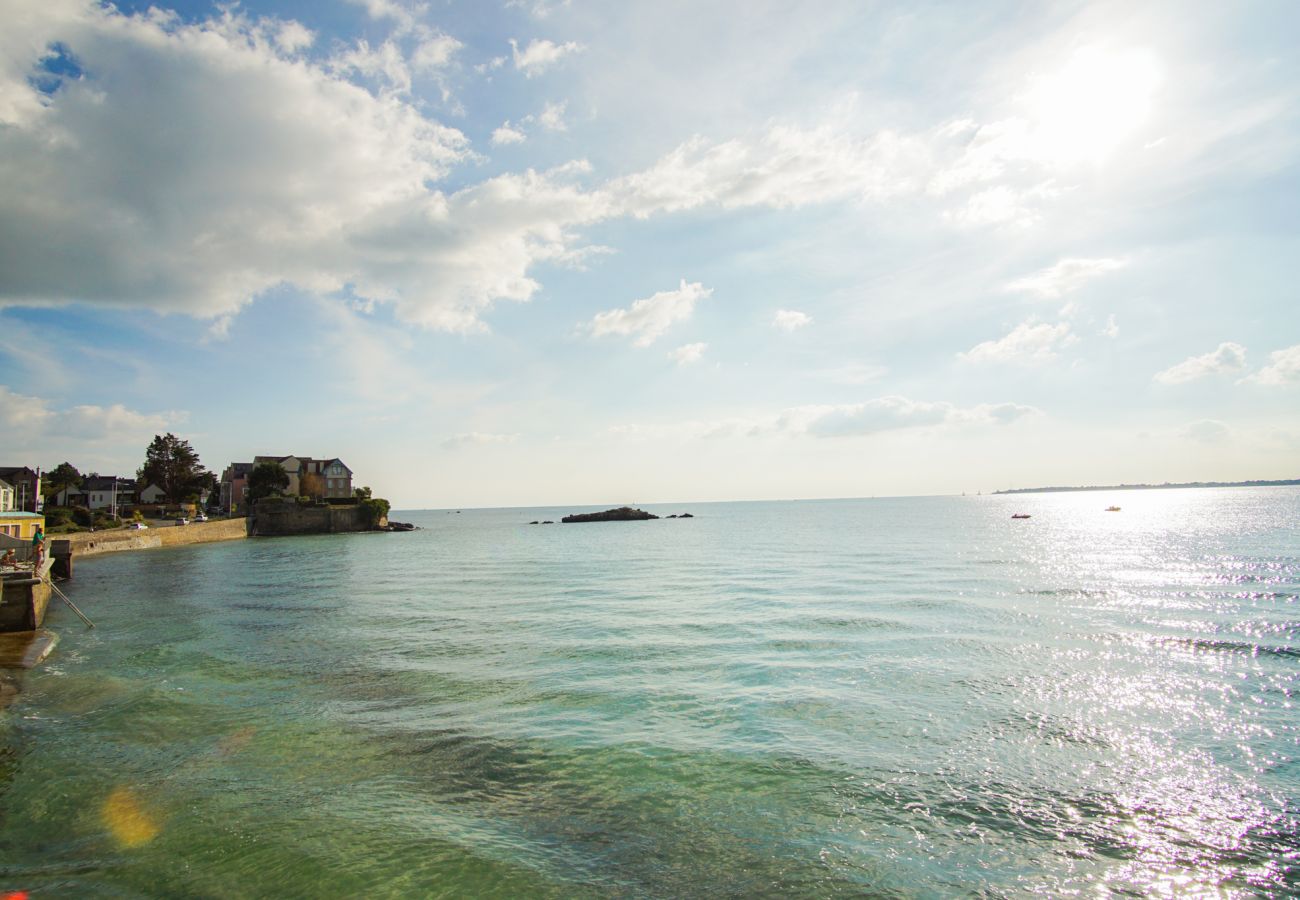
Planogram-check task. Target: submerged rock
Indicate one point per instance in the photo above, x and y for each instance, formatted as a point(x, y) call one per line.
point(622, 514)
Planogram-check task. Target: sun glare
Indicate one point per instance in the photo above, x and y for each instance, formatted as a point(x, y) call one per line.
point(1084, 111)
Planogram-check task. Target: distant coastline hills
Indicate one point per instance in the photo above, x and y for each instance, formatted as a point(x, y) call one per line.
point(1150, 487)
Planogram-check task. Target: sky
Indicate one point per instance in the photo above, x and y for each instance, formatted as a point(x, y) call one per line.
point(533, 252)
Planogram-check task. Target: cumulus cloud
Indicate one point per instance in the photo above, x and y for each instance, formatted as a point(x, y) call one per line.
point(790, 320)
point(1112, 327)
point(32, 419)
point(385, 63)
point(687, 354)
point(435, 51)
point(1283, 368)
point(131, 187)
point(478, 439)
point(1228, 358)
point(552, 117)
point(645, 320)
point(508, 134)
point(1065, 277)
point(1026, 345)
point(538, 9)
point(197, 165)
point(540, 55)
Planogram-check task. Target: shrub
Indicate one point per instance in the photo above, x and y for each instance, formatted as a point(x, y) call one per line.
point(82, 516)
point(374, 510)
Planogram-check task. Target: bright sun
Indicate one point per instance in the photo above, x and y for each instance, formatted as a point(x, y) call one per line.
point(1086, 109)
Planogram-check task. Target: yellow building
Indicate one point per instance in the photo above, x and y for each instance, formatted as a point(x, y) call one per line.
point(20, 525)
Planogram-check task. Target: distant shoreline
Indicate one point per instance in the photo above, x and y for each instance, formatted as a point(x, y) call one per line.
point(1287, 482)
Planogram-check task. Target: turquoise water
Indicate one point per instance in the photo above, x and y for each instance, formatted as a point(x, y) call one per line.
point(897, 698)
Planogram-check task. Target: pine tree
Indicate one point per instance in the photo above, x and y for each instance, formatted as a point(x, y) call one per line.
point(172, 464)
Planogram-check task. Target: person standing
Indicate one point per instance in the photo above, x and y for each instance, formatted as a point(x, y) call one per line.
point(38, 550)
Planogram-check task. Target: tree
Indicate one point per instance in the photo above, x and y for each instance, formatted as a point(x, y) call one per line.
point(311, 485)
point(374, 509)
point(64, 475)
point(361, 493)
point(266, 479)
point(172, 464)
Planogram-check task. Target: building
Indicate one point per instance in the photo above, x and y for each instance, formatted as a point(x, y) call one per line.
point(26, 485)
point(234, 487)
point(99, 492)
point(6, 496)
point(152, 493)
point(336, 477)
point(19, 525)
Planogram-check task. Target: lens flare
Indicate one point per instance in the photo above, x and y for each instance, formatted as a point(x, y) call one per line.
point(130, 823)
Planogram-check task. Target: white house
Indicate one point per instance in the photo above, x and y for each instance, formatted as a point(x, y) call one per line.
point(153, 494)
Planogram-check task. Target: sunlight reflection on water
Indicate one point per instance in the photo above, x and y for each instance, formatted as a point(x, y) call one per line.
point(916, 697)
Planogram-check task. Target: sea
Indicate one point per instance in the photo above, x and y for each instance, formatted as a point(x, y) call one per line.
point(901, 698)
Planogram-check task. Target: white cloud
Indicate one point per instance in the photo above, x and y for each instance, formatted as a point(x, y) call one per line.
point(195, 167)
point(1026, 345)
point(30, 419)
point(538, 9)
point(1207, 431)
point(199, 165)
point(508, 134)
point(404, 15)
point(293, 37)
point(1112, 327)
point(383, 63)
point(650, 317)
point(435, 52)
point(1064, 277)
point(785, 167)
point(1283, 368)
point(790, 320)
point(478, 439)
point(540, 55)
point(1226, 359)
point(552, 117)
point(687, 354)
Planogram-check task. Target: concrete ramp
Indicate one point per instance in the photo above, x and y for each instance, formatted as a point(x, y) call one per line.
point(25, 649)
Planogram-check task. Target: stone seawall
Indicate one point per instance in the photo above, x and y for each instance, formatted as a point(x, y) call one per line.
point(278, 518)
point(89, 543)
point(22, 603)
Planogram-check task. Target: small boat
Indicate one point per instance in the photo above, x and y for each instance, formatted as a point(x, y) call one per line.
point(1020, 515)
point(1112, 509)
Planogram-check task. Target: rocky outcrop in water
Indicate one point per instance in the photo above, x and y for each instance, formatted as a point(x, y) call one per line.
point(622, 514)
